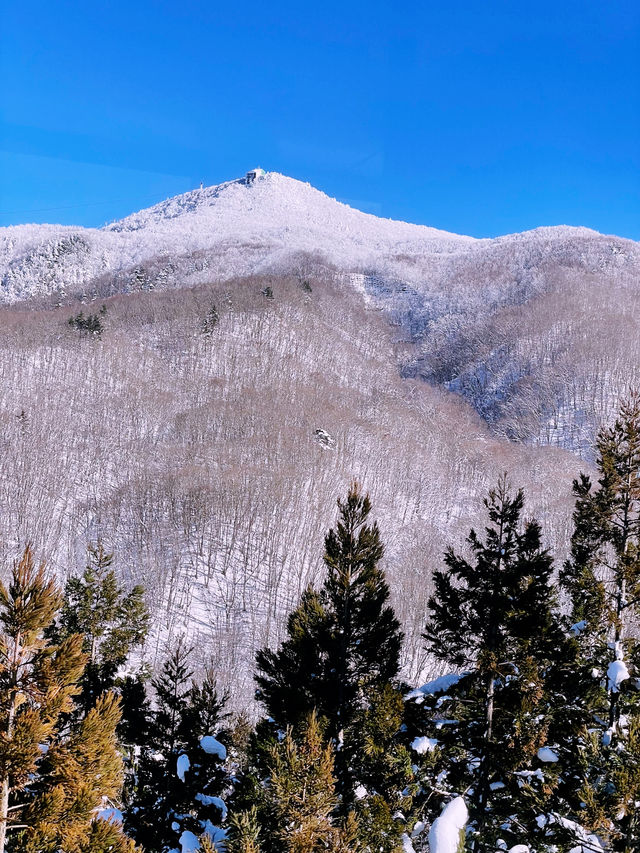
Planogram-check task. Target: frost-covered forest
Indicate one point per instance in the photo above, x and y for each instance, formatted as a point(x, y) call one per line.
point(192, 387)
point(197, 449)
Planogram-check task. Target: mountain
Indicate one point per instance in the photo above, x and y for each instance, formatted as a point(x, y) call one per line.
point(264, 345)
point(227, 230)
point(519, 325)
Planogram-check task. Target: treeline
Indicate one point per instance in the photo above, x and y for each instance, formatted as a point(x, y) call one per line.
point(530, 741)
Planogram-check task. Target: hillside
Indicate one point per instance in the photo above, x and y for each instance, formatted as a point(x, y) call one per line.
point(519, 325)
point(209, 452)
point(198, 457)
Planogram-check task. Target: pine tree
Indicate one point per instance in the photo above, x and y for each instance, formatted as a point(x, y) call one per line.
point(495, 618)
point(244, 832)
point(37, 680)
point(77, 774)
point(206, 779)
point(210, 321)
point(112, 622)
point(302, 789)
point(602, 579)
point(180, 775)
point(299, 799)
point(383, 766)
point(343, 644)
point(53, 774)
point(157, 796)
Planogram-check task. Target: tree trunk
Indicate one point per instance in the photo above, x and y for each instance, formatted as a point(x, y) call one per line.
point(5, 791)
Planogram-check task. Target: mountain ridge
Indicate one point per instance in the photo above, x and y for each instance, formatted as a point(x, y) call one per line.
point(249, 229)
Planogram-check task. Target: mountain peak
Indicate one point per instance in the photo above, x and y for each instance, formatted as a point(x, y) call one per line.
point(274, 201)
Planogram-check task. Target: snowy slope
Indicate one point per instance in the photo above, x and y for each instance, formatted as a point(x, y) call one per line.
point(249, 228)
point(274, 225)
point(522, 326)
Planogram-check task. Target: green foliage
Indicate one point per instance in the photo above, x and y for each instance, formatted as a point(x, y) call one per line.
point(496, 617)
point(244, 832)
point(296, 808)
point(602, 580)
point(90, 324)
point(111, 621)
point(342, 645)
point(162, 805)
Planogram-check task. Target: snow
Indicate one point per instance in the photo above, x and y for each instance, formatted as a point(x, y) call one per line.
point(215, 833)
point(438, 685)
point(189, 842)
point(421, 745)
point(519, 848)
point(245, 229)
point(617, 672)
point(546, 754)
point(444, 835)
point(182, 765)
point(234, 230)
point(206, 800)
point(587, 842)
point(578, 628)
point(407, 846)
point(607, 736)
point(360, 792)
point(213, 747)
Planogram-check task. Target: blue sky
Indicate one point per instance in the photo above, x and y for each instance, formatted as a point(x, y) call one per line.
point(477, 117)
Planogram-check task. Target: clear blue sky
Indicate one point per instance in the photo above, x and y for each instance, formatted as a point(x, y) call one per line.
point(479, 117)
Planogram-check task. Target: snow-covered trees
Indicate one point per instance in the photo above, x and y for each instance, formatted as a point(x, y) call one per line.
point(602, 580)
point(180, 774)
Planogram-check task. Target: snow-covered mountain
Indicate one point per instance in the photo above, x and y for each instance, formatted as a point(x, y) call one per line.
point(268, 226)
point(209, 452)
point(499, 321)
point(232, 229)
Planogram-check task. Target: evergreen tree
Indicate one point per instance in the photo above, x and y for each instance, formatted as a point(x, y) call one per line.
point(342, 645)
point(91, 324)
point(53, 776)
point(244, 832)
point(157, 795)
point(384, 771)
point(302, 790)
point(296, 808)
point(602, 580)
point(111, 621)
point(77, 774)
point(210, 321)
point(495, 618)
point(180, 776)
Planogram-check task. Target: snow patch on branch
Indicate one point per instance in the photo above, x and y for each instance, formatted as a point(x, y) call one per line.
point(438, 685)
point(213, 747)
point(445, 832)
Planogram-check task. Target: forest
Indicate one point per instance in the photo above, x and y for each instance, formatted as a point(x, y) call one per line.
point(528, 741)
